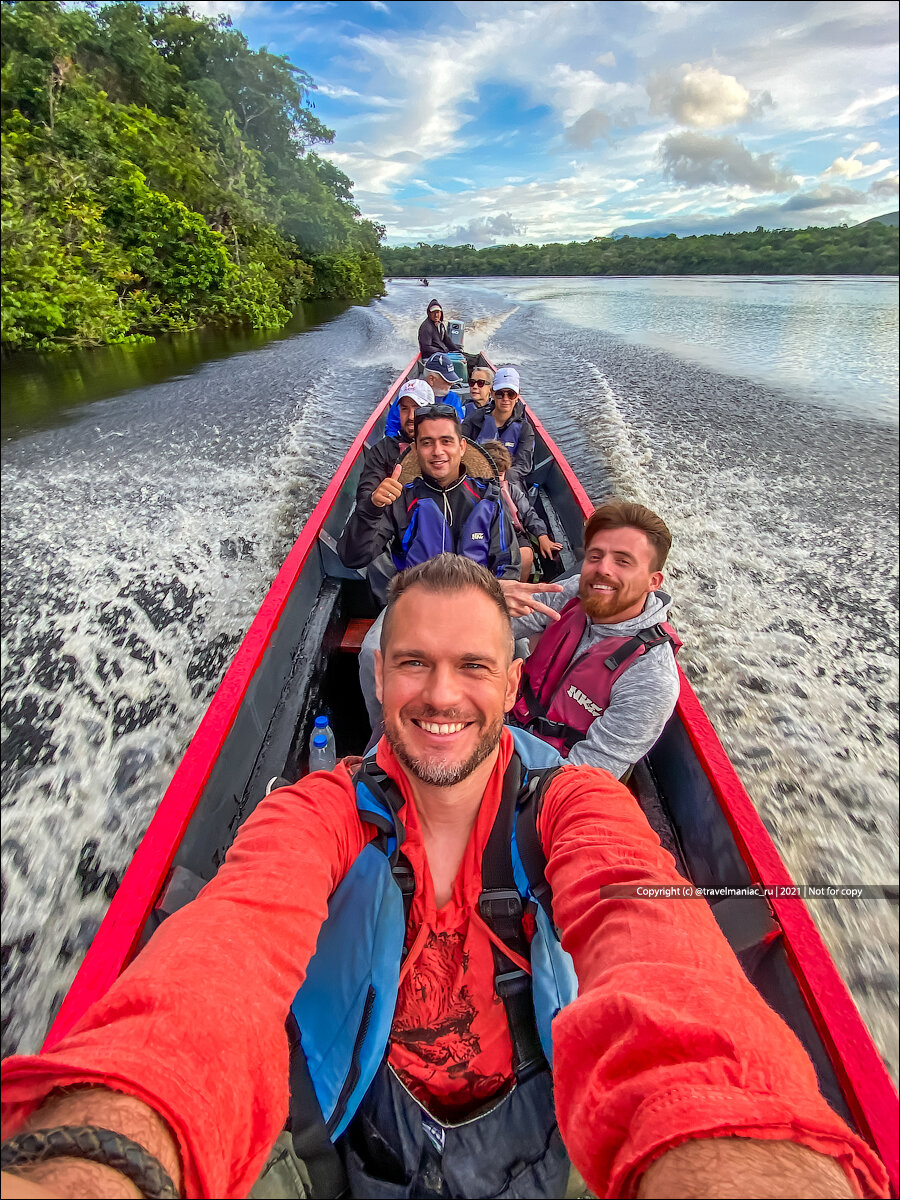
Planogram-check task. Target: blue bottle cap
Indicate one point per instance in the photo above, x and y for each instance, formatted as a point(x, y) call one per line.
point(320, 740)
point(321, 722)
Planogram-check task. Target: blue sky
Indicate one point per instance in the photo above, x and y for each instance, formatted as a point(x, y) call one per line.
point(516, 122)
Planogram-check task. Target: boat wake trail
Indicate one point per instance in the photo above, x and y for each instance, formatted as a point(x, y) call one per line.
point(783, 569)
point(144, 539)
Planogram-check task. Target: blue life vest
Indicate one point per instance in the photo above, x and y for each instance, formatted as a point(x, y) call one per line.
point(345, 1008)
point(429, 533)
point(509, 437)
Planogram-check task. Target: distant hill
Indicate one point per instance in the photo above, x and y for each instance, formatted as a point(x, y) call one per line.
point(886, 219)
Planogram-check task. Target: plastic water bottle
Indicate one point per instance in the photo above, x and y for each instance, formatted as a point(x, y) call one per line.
point(321, 756)
point(321, 726)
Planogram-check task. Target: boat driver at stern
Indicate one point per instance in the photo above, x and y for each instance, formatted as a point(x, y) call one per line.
point(601, 681)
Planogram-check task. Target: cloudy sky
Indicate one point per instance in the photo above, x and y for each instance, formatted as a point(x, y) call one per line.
point(535, 122)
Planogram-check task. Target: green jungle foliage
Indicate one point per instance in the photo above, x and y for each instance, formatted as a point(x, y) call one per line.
point(158, 175)
point(869, 249)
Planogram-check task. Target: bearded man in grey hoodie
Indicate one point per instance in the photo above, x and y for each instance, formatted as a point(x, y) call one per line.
point(601, 681)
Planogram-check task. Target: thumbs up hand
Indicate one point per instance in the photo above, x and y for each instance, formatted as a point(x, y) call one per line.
point(389, 489)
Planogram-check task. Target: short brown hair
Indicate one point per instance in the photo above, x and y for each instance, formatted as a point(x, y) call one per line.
point(446, 573)
point(620, 514)
point(499, 453)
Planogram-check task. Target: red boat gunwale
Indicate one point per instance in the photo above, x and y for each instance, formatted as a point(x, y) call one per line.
point(116, 939)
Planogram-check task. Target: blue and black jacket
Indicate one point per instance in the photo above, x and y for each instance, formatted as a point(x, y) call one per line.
point(468, 517)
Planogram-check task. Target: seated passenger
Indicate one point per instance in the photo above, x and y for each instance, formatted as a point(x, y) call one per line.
point(504, 420)
point(434, 506)
point(433, 336)
point(601, 682)
point(525, 519)
point(440, 375)
point(480, 382)
point(380, 459)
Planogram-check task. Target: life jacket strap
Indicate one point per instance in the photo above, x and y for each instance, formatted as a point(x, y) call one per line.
point(543, 727)
point(386, 791)
point(645, 639)
point(501, 908)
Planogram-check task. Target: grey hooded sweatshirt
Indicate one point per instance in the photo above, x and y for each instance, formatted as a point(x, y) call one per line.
point(642, 698)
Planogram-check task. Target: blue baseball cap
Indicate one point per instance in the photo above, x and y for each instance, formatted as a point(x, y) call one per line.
point(441, 365)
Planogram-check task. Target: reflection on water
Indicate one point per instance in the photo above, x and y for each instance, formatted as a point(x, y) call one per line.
point(40, 389)
point(831, 340)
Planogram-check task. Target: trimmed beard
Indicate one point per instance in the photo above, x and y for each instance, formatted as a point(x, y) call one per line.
point(438, 773)
point(595, 608)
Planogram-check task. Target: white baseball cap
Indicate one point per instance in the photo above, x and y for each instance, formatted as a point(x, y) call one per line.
point(421, 392)
point(506, 377)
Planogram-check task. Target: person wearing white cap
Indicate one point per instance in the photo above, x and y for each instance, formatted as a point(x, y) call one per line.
point(381, 458)
point(433, 337)
point(504, 420)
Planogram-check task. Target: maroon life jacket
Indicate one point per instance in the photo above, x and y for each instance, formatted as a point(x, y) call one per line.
point(559, 699)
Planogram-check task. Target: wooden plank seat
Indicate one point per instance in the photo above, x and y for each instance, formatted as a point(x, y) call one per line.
point(356, 630)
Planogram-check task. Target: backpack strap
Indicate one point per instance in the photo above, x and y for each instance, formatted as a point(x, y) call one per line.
point(646, 639)
point(306, 1124)
point(501, 908)
point(386, 792)
point(528, 843)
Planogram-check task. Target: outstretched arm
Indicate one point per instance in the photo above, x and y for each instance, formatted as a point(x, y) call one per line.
point(194, 1029)
point(668, 1042)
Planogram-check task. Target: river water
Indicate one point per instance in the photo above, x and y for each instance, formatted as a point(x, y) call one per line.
point(151, 494)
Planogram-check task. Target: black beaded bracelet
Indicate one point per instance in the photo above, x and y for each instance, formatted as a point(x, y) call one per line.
point(97, 1145)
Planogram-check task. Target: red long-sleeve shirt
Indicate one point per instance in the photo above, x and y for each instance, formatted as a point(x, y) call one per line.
point(666, 1041)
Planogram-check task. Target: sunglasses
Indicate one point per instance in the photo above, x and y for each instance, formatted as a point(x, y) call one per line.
point(437, 410)
point(506, 394)
point(479, 383)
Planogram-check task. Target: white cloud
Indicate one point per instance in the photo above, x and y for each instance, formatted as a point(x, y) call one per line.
point(887, 188)
point(215, 8)
point(702, 97)
point(694, 158)
point(606, 60)
point(852, 168)
point(379, 6)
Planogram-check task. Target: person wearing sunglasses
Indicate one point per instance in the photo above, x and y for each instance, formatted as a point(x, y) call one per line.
point(480, 382)
point(433, 336)
point(504, 420)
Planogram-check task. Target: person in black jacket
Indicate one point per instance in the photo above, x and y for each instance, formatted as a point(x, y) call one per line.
point(380, 459)
point(504, 420)
point(441, 509)
point(433, 336)
point(528, 525)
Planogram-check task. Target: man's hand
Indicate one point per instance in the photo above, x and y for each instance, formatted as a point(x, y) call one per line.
point(548, 547)
point(520, 598)
point(75, 1177)
point(388, 490)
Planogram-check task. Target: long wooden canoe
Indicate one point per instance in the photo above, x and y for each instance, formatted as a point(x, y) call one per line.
point(299, 658)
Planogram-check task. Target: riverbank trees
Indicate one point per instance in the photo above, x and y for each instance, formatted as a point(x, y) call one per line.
point(869, 249)
point(158, 174)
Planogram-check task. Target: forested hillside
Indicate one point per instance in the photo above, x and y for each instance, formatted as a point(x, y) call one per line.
point(869, 249)
point(158, 175)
